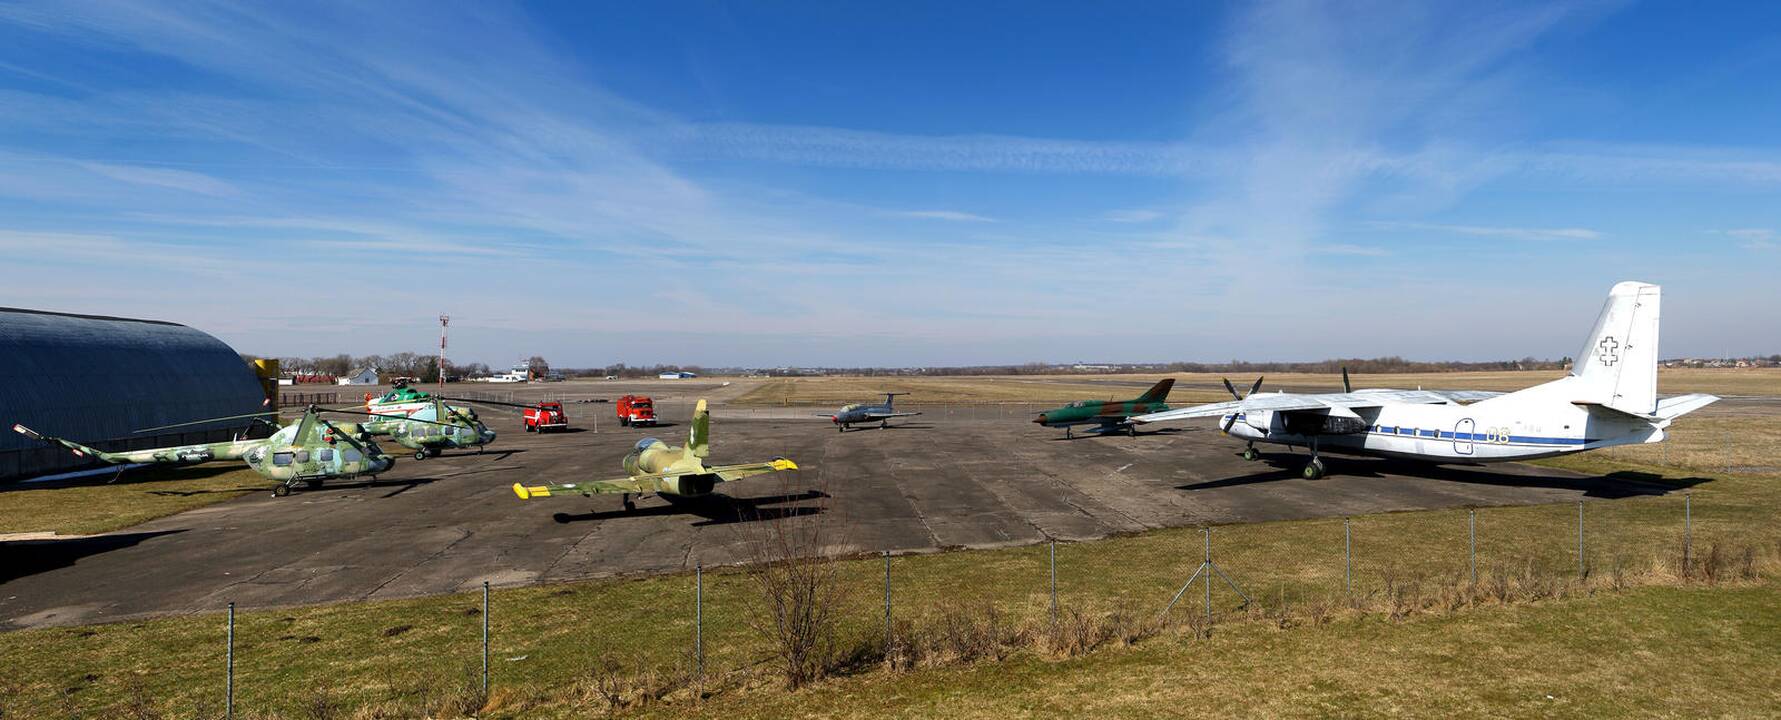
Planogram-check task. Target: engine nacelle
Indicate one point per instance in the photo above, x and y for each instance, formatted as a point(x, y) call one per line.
point(631, 464)
point(1262, 420)
point(689, 484)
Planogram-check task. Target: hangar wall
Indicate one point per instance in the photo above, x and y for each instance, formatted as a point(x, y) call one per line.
point(97, 380)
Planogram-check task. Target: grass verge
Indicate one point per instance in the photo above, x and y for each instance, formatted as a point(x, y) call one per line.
point(139, 495)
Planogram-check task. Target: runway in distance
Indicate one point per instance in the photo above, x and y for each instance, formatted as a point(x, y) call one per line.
point(1108, 415)
point(1609, 398)
point(661, 469)
point(861, 413)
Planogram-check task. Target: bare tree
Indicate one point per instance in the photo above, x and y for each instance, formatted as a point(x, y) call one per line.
point(800, 589)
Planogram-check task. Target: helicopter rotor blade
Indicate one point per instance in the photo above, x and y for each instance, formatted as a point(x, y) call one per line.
point(379, 415)
point(260, 414)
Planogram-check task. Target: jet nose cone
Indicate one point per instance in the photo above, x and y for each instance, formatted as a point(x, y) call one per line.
point(1040, 420)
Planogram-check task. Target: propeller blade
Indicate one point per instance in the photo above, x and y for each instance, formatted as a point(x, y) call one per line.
point(489, 402)
point(379, 415)
point(1229, 423)
point(1231, 388)
point(1346, 386)
point(1255, 387)
point(260, 414)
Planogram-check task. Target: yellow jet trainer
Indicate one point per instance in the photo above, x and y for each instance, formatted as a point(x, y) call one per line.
point(658, 468)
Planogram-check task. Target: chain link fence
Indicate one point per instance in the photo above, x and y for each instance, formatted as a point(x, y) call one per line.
point(685, 636)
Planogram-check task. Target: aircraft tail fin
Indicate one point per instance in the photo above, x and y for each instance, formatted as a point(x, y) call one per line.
point(890, 399)
point(698, 440)
point(1617, 367)
point(1158, 392)
point(79, 449)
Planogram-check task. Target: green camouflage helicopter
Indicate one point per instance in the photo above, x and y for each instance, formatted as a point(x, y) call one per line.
point(436, 427)
point(305, 451)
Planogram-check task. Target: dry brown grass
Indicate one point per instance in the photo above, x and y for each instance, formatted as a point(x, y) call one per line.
point(1196, 387)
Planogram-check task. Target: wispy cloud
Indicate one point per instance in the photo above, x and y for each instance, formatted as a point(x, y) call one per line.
point(1518, 233)
point(162, 177)
point(1756, 238)
point(952, 215)
point(1137, 215)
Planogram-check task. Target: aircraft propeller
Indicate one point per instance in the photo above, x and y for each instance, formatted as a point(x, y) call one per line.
point(1232, 421)
point(1346, 386)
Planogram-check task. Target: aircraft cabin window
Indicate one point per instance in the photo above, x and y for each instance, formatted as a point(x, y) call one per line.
point(281, 459)
point(351, 455)
point(327, 454)
point(302, 456)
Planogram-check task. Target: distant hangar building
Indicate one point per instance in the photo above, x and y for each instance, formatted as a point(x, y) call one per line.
point(99, 379)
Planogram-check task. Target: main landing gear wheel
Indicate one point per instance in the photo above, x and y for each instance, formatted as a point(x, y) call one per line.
point(281, 490)
point(1132, 430)
point(841, 428)
point(420, 454)
point(630, 505)
point(1314, 470)
point(1251, 455)
point(884, 425)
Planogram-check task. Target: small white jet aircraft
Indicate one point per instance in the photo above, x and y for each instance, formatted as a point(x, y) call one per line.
point(1609, 398)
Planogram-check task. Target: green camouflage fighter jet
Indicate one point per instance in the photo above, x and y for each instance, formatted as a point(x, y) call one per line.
point(1109, 415)
point(656, 467)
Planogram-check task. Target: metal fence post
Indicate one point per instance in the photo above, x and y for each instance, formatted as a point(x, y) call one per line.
point(229, 682)
point(1348, 558)
point(485, 638)
point(1208, 578)
point(1687, 530)
point(1053, 547)
point(1472, 543)
point(887, 601)
point(699, 623)
point(1582, 568)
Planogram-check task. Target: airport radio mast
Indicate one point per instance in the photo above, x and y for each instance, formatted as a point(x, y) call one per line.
point(444, 320)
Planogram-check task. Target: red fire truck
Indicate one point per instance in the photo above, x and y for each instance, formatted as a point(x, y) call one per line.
point(546, 416)
point(636, 410)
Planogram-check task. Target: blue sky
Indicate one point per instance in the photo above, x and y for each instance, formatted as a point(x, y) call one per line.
point(896, 183)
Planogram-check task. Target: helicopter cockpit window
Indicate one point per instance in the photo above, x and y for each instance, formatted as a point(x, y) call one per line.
point(351, 455)
point(645, 443)
point(281, 459)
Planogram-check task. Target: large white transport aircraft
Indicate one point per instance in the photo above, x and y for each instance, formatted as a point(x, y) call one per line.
point(1609, 398)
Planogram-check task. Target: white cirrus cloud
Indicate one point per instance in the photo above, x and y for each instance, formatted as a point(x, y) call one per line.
point(1519, 233)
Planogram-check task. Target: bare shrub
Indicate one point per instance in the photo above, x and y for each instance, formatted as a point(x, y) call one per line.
point(971, 632)
point(320, 705)
point(139, 704)
point(800, 593)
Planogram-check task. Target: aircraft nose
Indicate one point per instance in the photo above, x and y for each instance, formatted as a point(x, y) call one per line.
point(1040, 420)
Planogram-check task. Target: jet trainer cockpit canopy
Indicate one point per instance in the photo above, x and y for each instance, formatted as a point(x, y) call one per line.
point(1078, 403)
point(845, 408)
point(645, 443)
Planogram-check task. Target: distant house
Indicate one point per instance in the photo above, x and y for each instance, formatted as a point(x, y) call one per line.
point(361, 376)
point(677, 375)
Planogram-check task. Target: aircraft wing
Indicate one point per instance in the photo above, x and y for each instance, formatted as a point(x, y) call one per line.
point(1323, 403)
point(731, 473)
point(633, 485)
point(641, 484)
point(887, 416)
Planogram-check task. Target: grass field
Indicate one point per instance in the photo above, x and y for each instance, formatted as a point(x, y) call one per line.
point(552, 644)
point(139, 495)
point(823, 391)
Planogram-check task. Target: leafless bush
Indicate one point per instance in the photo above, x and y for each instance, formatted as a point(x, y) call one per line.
point(971, 632)
point(139, 704)
point(800, 593)
point(320, 705)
